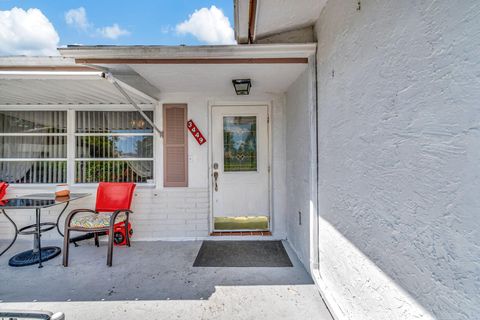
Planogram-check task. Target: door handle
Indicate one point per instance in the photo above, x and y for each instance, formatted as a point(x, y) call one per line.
point(215, 178)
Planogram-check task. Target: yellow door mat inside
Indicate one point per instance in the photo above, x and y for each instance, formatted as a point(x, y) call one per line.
point(241, 223)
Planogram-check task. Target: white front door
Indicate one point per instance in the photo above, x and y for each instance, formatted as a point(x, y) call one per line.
point(240, 161)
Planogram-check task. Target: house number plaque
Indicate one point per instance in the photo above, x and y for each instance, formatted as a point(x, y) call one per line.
point(192, 127)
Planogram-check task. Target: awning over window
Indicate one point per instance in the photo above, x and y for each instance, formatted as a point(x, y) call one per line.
point(50, 81)
point(61, 90)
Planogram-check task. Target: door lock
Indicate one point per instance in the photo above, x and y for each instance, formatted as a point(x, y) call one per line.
point(215, 178)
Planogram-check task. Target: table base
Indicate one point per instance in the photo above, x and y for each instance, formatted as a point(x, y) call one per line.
point(29, 257)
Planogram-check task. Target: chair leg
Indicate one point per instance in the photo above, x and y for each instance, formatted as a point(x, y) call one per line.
point(97, 244)
point(126, 232)
point(110, 246)
point(66, 245)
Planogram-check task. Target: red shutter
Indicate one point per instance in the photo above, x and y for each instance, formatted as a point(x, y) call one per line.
point(175, 145)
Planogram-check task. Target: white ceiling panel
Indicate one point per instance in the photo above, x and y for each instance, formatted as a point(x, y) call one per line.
point(217, 78)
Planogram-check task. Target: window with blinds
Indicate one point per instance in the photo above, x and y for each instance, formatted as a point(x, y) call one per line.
point(33, 146)
point(175, 146)
point(113, 146)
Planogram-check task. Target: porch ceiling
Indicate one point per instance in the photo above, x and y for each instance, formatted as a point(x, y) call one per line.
point(216, 79)
point(201, 69)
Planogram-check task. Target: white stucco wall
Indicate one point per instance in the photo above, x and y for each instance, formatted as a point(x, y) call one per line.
point(298, 115)
point(399, 154)
point(179, 213)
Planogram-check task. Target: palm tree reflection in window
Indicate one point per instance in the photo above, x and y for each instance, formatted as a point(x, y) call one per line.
point(114, 147)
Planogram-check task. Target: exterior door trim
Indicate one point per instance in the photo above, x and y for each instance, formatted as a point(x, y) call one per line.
point(211, 105)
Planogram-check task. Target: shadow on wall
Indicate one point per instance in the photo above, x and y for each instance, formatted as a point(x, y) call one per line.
point(159, 270)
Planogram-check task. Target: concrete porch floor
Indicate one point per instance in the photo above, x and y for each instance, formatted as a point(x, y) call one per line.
point(156, 280)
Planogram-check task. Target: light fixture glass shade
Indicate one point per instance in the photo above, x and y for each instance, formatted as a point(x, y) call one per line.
point(242, 86)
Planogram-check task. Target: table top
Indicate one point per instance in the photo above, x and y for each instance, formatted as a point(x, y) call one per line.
point(39, 201)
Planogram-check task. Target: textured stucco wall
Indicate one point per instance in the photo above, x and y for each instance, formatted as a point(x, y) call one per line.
point(298, 171)
point(399, 155)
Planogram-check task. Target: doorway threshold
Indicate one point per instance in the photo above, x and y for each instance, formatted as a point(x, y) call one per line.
point(241, 233)
point(241, 223)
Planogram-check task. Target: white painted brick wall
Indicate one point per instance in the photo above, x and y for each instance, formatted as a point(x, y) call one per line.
point(399, 155)
point(183, 213)
point(173, 213)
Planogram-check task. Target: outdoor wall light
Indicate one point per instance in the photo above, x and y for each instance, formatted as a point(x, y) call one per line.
point(242, 86)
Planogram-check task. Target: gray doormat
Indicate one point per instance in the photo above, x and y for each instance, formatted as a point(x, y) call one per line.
point(242, 254)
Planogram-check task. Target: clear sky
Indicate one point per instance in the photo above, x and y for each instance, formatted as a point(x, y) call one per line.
point(34, 27)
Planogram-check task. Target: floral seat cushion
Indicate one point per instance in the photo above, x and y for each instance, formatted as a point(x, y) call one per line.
point(100, 220)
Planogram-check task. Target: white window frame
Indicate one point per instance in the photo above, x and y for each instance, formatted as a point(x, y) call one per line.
point(71, 141)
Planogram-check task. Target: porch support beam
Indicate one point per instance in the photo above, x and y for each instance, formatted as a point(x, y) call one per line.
point(47, 68)
point(102, 61)
point(252, 20)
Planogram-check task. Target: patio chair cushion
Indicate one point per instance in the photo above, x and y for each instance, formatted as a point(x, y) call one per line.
point(99, 220)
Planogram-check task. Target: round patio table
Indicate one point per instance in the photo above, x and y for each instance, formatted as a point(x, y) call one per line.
point(38, 202)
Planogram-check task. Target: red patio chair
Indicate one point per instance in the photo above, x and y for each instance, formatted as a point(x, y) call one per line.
point(112, 206)
point(3, 189)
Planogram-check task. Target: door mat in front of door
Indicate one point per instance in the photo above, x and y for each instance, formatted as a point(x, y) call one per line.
point(242, 254)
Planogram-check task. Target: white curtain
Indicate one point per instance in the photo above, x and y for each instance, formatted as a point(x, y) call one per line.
point(141, 168)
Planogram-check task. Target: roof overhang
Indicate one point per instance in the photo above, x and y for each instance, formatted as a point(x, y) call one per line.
point(77, 78)
point(202, 69)
point(257, 19)
point(241, 20)
point(197, 54)
point(24, 63)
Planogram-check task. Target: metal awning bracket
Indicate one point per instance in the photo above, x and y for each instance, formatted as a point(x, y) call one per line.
point(114, 81)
